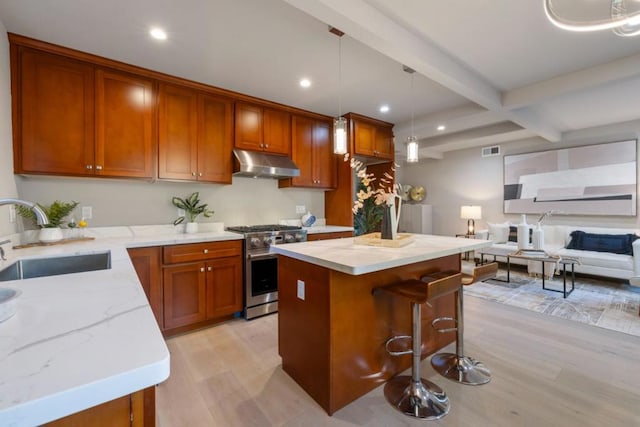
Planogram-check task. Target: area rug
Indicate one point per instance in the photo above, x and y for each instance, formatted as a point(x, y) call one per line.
point(607, 304)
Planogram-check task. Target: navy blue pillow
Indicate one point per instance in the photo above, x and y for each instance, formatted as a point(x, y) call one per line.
point(614, 243)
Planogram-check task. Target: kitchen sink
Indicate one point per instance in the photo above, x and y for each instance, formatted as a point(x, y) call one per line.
point(55, 266)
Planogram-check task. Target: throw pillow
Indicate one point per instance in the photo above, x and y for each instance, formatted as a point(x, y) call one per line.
point(498, 233)
point(614, 243)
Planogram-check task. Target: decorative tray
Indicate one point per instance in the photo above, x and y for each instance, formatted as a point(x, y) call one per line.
point(59, 242)
point(374, 239)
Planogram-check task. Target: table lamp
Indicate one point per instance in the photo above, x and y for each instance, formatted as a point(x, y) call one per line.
point(470, 213)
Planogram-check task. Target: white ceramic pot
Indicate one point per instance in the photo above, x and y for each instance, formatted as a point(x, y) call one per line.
point(191, 227)
point(49, 235)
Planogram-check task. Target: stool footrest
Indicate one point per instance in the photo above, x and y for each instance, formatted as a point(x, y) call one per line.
point(394, 339)
point(438, 320)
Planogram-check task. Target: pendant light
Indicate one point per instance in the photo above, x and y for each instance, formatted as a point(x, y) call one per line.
point(412, 141)
point(620, 16)
point(339, 123)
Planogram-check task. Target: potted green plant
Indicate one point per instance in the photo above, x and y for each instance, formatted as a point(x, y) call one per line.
point(192, 209)
point(56, 212)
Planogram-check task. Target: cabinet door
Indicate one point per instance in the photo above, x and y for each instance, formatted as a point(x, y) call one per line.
point(56, 113)
point(302, 155)
point(184, 294)
point(215, 141)
point(177, 133)
point(277, 131)
point(248, 127)
point(324, 161)
point(364, 138)
point(224, 287)
point(384, 143)
point(147, 262)
point(124, 125)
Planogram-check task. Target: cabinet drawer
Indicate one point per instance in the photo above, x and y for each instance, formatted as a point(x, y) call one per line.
point(201, 251)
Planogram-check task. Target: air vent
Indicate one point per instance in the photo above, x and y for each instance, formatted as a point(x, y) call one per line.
point(491, 151)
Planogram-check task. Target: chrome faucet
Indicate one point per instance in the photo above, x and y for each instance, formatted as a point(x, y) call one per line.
point(2, 249)
point(41, 217)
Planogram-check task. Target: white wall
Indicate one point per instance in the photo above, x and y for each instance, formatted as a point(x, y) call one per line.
point(128, 202)
point(7, 182)
point(465, 178)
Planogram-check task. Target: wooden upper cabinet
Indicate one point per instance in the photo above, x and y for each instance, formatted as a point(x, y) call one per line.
point(277, 131)
point(124, 125)
point(74, 118)
point(215, 139)
point(195, 135)
point(177, 132)
point(53, 107)
point(312, 153)
point(262, 129)
point(371, 138)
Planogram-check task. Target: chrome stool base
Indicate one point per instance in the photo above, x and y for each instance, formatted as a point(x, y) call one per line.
point(464, 370)
point(421, 399)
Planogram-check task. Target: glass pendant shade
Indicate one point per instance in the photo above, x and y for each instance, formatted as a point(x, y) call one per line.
point(412, 149)
point(339, 135)
point(621, 16)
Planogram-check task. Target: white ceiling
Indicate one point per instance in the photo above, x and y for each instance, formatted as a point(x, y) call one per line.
point(492, 71)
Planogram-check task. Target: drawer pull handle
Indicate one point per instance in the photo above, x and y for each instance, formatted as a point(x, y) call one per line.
point(201, 269)
point(209, 269)
point(98, 167)
point(206, 251)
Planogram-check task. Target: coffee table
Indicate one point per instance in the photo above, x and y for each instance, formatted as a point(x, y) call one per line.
point(543, 257)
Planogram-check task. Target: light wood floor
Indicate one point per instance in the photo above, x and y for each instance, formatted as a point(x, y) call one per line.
point(546, 372)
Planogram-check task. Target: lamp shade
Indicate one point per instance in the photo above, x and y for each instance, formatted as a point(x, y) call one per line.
point(471, 212)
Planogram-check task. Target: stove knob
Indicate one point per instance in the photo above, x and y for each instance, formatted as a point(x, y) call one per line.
point(300, 237)
point(289, 238)
point(255, 242)
point(267, 241)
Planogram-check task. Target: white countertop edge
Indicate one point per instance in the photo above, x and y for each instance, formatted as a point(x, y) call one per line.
point(290, 251)
point(69, 402)
point(327, 229)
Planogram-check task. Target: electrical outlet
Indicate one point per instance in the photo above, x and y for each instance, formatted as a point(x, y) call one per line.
point(301, 290)
point(87, 212)
point(301, 209)
point(181, 212)
point(12, 213)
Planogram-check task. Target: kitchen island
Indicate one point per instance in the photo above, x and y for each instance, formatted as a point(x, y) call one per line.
point(332, 330)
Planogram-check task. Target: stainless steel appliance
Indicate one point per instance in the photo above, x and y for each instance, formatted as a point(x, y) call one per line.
point(261, 267)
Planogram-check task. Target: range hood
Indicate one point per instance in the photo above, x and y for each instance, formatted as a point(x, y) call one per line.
point(262, 165)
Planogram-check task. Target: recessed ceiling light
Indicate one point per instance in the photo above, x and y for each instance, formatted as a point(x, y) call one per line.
point(384, 108)
point(158, 34)
point(441, 127)
point(305, 82)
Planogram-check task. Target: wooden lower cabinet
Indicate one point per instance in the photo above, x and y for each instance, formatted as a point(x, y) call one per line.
point(134, 410)
point(327, 236)
point(148, 265)
point(192, 285)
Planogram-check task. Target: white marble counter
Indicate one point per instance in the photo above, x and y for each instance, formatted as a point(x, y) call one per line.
point(326, 229)
point(348, 257)
point(82, 339)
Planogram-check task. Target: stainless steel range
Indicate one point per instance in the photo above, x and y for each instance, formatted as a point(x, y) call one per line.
point(261, 267)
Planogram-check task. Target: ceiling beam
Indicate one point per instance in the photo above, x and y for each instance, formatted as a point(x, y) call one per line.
point(572, 82)
point(370, 26)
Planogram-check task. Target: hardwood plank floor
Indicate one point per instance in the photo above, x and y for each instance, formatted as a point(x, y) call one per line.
point(546, 371)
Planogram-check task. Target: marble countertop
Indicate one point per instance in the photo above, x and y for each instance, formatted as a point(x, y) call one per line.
point(348, 257)
point(82, 339)
point(317, 229)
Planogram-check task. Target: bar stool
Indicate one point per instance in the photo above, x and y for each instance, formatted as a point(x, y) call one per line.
point(458, 367)
point(413, 395)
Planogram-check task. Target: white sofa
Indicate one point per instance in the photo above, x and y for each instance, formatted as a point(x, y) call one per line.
point(556, 239)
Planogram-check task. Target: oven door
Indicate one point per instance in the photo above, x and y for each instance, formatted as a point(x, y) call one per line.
point(261, 278)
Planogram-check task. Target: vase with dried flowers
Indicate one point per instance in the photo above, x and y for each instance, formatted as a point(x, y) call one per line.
point(377, 203)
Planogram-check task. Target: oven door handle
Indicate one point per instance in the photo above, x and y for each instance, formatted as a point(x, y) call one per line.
point(261, 256)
